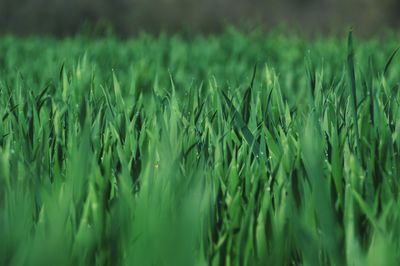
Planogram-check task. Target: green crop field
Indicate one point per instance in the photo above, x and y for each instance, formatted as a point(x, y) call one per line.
point(233, 149)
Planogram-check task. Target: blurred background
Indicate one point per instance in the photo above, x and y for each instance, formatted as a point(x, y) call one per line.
point(128, 17)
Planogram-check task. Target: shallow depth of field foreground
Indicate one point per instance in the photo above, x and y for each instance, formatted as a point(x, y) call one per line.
point(236, 149)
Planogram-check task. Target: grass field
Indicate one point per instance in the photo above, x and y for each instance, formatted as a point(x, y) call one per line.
point(238, 149)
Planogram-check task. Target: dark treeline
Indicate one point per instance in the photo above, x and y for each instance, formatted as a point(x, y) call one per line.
point(128, 17)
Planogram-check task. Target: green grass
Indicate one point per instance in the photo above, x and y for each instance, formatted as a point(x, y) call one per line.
point(238, 149)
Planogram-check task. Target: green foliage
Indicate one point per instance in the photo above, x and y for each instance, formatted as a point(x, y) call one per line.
point(165, 151)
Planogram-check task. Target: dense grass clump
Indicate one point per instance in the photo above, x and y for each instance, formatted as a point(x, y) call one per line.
point(241, 149)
